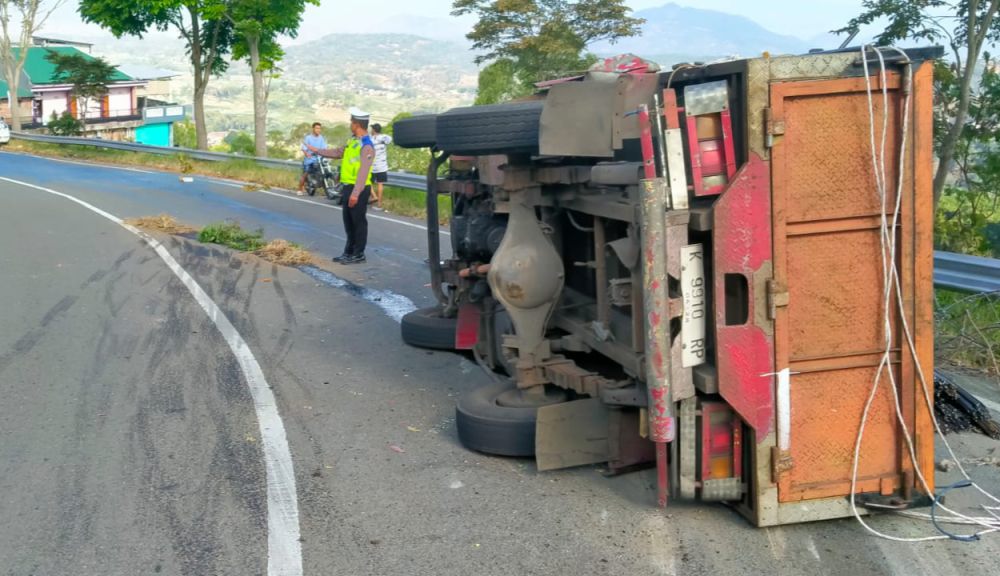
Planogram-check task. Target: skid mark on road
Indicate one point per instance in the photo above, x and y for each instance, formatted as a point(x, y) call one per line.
point(394, 305)
point(25, 343)
point(283, 538)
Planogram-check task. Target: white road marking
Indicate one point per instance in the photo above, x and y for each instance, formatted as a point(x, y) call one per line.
point(779, 544)
point(284, 550)
point(88, 164)
point(331, 206)
point(811, 546)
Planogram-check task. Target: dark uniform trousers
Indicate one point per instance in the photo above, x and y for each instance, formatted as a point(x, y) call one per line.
point(356, 220)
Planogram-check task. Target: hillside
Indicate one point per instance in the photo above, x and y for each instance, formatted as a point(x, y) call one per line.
point(673, 33)
point(383, 73)
point(388, 73)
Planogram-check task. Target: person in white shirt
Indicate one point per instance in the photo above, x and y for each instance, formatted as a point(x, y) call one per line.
point(380, 169)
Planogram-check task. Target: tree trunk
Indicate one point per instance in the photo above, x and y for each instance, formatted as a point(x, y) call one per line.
point(201, 133)
point(200, 80)
point(259, 99)
point(12, 101)
point(976, 37)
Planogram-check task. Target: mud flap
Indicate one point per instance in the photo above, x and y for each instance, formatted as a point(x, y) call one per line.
point(572, 434)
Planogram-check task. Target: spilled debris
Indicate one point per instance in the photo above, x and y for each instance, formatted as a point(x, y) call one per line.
point(164, 223)
point(285, 253)
point(960, 411)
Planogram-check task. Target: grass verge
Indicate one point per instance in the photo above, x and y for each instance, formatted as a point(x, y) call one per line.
point(968, 330)
point(237, 169)
point(411, 203)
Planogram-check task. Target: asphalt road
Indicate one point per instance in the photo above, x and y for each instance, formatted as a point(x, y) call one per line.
point(131, 444)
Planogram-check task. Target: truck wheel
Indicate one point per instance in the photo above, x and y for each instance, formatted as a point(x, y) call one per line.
point(495, 420)
point(494, 129)
point(426, 328)
point(502, 326)
point(415, 131)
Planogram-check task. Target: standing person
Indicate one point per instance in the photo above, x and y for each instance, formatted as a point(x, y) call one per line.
point(381, 166)
point(314, 140)
point(356, 163)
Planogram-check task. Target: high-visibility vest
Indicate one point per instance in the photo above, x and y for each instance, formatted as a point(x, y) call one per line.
point(350, 164)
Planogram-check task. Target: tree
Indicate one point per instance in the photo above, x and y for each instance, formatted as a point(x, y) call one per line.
point(258, 24)
point(64, 125)
point(498, 82)
point(185, 135)
point(966, 221)
point(530, 40)
point(966, 25)
point(207, 33)
point(33, 14)
point(240, 143)
point(89, 76)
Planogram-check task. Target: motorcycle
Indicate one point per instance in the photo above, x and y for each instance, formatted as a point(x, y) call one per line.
point(322, 175)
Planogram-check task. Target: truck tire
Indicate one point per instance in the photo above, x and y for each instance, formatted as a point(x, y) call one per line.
point(415, 131)
point(494, 129)
point(485, 425)
point(426, 328)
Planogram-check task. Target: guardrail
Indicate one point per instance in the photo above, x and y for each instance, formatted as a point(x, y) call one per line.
point(399, 179)
point(955, 271)
point(966, 273)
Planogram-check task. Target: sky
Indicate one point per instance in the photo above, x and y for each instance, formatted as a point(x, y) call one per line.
point(793, 17)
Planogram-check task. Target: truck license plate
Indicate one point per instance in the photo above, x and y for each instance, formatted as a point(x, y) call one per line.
point(693, 292)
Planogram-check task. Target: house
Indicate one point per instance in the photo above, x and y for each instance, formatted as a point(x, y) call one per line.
point(24, 102)
point(158, 125)
point(114, 117)
point(49, 41)
point(158, 90)
point(156, 102)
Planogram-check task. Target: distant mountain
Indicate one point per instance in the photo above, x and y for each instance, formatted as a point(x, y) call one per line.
point(383, 73)
point(378, 51)
point(673, 33)
point(449, 29)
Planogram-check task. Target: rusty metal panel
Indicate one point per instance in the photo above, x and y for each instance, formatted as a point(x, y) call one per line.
point(827, 267)
point(835, 309)
point(572, 434)
point(922, 255)
point(824, 426)
point(563, 134)
point(742, 247)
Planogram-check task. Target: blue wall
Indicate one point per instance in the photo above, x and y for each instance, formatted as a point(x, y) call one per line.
point(153, 135)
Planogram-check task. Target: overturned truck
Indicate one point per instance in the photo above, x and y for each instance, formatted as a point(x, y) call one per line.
point(688, 268)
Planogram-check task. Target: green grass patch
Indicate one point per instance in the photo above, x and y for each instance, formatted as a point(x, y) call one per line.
point(231, 234)
point(413, 203)
point(968, 329)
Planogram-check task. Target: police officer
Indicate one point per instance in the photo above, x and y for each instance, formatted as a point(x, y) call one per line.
point(356, 162)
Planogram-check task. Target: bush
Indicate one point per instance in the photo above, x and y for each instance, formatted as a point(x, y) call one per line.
point(65, 125)
point(230, 234)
